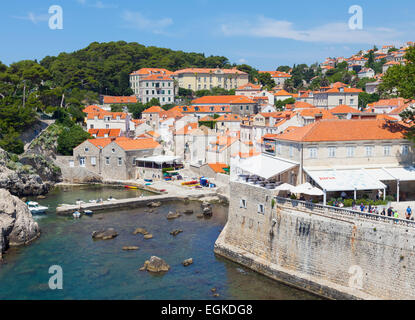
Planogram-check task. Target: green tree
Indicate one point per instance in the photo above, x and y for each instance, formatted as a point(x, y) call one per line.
point(365, 98)
point(12, 143)
point(71, 138)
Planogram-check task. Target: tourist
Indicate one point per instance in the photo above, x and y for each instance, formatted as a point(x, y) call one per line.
point(370, 208)
point(395, 214)
point(390, 212)
point(408, 213)
point(375, 210)
point(383, 212)
point(362, 207)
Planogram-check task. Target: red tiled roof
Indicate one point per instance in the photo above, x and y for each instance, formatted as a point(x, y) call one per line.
point(149, 71)
point(208, 70)
point(341, 109)
point(223, 100)
point(138, 144)
point(154, 109)
point(343, 130)
point(114, 100)
point(95, 109)
point(110, 133)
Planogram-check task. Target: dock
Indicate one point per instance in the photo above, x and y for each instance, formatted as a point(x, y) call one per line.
point(130, 203)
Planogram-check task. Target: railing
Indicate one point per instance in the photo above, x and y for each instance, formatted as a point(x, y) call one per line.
point(324, 209)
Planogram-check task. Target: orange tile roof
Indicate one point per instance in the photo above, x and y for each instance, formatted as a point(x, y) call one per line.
point(218, 167)
point(208, 70)
point(154, 109)
point(103, 132)
point(346, 90)
point(115, 100)
point(340, 109)
point(100, 142)
point(138, 144)
point(223, 100)
point(205, 109)
point(249, 86)
point(343, 130)
point(149, 71)
point(103, 114)
point(282, 93)
point(156, 77)
point(277, 74)
point(299, 105)
point(95, 109)
point(229, 118)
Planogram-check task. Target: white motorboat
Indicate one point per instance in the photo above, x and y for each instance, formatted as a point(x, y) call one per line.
point(35, 208)
point(76, 214)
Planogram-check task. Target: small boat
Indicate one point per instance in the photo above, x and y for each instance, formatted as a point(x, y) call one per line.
point(130, 187)
point(148, 180)
point(35, 208)
point(88, 212)
point(111, 199)
point(93, 201)
point(76, 214)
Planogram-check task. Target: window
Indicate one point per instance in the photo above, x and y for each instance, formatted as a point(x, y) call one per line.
point(332, 152)
point(82, 161)
point(107, 126)
point(113, 150)
point(86, 149)
point(386, 151)
point(261, 209)
point(119, 162)
point(351, 101)
point(312, 153)
point(243, 203)
point(91, 126)
point(405, 150)
point(107, 161)
point(93, 161)
point(369, 151)
point(340, 101)
point(350, 151)
point(291, 150)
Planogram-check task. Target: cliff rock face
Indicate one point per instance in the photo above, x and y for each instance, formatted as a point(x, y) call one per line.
point(33, 175)
point(17, 226)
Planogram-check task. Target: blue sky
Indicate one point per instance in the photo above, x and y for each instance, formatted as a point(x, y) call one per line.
point(264, 34)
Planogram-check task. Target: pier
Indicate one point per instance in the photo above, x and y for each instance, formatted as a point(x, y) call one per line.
point(131, 202)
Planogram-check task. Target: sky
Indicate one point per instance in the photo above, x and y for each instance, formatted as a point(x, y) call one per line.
point(264, 34)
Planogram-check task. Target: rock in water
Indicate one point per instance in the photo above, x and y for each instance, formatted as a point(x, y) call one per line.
point(130, 248)
point(187, 262)
point(155, 264)
point(188, 211)
point(173, 215)
point(176, 232)
point(104, 234)
point(154, 204)
point(17, 226)
point(140, 231)
point(148, 236)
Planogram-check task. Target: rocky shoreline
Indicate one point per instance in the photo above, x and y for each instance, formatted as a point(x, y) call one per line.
point(17, 226)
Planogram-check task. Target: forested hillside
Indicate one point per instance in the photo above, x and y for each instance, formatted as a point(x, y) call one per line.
point(105, 67)
point(61, 86)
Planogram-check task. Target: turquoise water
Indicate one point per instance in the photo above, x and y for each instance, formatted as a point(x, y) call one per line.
point(102, 270)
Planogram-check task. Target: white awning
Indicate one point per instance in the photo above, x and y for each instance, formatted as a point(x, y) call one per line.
point(380, 174)
point(402, 174)
point(159, 159)
point(308, 189)
point(284, 187)
point(345, 180)
point(265, 166)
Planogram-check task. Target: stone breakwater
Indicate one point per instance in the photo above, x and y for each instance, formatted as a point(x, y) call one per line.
point(332, 252)
point(17, 226)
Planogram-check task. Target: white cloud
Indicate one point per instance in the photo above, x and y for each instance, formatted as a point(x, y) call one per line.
point(34, 18)
point(98, 4)
point(242, 60)
point(136, 20)
point(263, 27)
